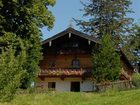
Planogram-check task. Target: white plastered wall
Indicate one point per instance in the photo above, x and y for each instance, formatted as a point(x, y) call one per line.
point(65, 85)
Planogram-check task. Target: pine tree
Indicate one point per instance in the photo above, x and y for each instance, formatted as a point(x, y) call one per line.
point(133, 46)
point(106, 17)
point(135, 40)
point(107, 21)
point(106, 61)
point(23, 19)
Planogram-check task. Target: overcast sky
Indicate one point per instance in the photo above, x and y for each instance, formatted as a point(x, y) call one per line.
point(65, 10)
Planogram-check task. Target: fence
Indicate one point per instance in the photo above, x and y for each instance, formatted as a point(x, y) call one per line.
point(120, 85)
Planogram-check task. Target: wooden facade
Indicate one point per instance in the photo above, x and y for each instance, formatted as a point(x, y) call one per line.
point(65, 61)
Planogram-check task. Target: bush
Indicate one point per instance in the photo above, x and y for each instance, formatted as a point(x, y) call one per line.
point(11, 73)
point(136, 80)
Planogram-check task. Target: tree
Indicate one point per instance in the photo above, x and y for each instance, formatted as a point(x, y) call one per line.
point(134, 45)
point(106, 61)
point(24, 18)
point(106, 17)
point(107, 21)
point(135, 40)
point(11, 68)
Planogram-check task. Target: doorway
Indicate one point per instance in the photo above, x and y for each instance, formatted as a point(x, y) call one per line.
point(75, 86)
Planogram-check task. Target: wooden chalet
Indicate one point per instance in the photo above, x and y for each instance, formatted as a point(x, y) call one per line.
point(66, 63)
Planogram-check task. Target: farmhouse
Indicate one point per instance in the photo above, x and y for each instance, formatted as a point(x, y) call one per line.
point(66, 63)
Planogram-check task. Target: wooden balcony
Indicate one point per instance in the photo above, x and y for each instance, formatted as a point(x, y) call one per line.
point(65, 72)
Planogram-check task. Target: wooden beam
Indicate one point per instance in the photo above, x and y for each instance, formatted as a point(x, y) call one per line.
point(69, 35)
point(89, 42)
point(50, 43)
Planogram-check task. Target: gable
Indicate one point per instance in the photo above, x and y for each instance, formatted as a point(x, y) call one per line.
point(70, 31)
point(69, 41)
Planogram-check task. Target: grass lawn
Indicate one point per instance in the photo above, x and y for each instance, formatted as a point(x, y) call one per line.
point(131, 97)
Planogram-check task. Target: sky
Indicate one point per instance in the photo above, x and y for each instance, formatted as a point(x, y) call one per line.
point(65, 10)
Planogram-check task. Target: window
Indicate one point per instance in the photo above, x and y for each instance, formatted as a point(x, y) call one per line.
point(51, 85)
point(75, 63)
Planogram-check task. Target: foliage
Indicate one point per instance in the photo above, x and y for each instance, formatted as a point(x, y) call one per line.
point(106, 17)
point(20, 42)
point(69, 98)
point(11, 71)
point(23, 19)
point(136, 37)
point(106, 61)
point(136, 80)
point(132, 46)
point(135, 42)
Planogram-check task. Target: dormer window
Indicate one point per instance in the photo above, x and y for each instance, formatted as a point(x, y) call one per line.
point(75, 63)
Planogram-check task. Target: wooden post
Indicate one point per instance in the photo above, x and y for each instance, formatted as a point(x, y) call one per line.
point(69, 35)
point(89, 42)
point(50, 43)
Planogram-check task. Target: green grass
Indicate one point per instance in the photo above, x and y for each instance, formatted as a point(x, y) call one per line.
point(131, 97)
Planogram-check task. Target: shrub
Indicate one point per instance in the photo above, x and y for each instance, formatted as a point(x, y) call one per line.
point(11, 72)
point(136, 80)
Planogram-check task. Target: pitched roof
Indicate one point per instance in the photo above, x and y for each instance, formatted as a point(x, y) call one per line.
point(74, 32)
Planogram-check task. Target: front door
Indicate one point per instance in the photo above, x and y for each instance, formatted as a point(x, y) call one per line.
point(75, 86)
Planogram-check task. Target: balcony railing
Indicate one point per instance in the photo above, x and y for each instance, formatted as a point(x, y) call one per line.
point(65, 72)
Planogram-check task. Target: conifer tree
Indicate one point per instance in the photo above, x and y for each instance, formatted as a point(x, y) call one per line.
point(106, 61)
point(107, 21)
point(135, 40)
point(106, 17)
point(133, 46)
